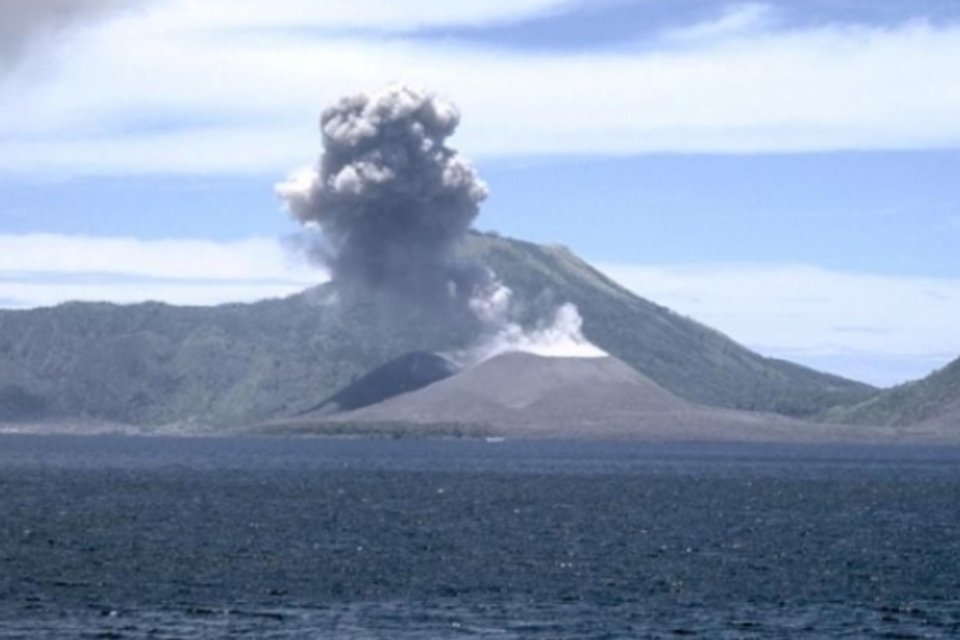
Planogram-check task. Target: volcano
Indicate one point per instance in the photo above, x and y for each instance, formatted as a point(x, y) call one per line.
point(529, 396)
point(237, 365)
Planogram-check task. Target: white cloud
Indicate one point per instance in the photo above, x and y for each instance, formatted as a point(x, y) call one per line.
point(248, 100)
point(737, 19)
point(179, 259)
point(18, 295)
point(41, 270)
point(377, 15)
point(881, 329)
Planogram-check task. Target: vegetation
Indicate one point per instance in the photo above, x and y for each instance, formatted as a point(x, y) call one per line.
point(934, 400)
point(237, 364)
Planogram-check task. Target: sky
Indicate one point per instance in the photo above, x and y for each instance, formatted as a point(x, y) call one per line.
point(783, 171)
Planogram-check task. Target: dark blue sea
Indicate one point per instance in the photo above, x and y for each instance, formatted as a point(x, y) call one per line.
point(148, 537)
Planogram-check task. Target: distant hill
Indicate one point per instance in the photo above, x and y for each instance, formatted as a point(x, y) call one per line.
point(236, 364)
point(932, 403)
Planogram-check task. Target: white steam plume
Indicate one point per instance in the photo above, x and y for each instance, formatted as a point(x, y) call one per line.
point(562, 337)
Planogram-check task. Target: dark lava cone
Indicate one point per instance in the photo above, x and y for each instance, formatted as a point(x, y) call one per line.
point(404, 374)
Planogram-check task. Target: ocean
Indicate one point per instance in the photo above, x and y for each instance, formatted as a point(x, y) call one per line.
point(153, 537)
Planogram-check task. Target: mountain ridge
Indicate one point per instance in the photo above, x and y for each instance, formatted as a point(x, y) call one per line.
point(663, 344)
point(236, 364)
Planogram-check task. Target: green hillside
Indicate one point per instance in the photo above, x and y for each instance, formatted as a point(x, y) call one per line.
point(242, 363)
point(934, 401)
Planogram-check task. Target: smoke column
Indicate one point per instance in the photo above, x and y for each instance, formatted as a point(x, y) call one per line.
point(392, 199)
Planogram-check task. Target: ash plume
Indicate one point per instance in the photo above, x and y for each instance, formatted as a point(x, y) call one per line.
point(24, 22)
point(393, 201)
point(391, 198)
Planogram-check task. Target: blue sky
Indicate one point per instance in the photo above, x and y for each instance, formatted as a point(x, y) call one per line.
point(782, 171)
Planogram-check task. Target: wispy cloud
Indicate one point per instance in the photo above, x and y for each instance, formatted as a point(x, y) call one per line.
point(754, 89)
point(42, 270)
point(21, 295)
point(180, 259)
point(883, 329)
point(385, 16)
point(737, 20)
point(24, 23)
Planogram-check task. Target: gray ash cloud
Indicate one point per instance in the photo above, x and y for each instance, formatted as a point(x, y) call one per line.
point(392, 199)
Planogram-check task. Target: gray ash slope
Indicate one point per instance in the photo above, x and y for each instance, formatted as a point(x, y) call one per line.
point(153, 364)
point(520, 394)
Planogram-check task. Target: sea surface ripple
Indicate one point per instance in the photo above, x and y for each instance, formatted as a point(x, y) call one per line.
point(138, 537)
